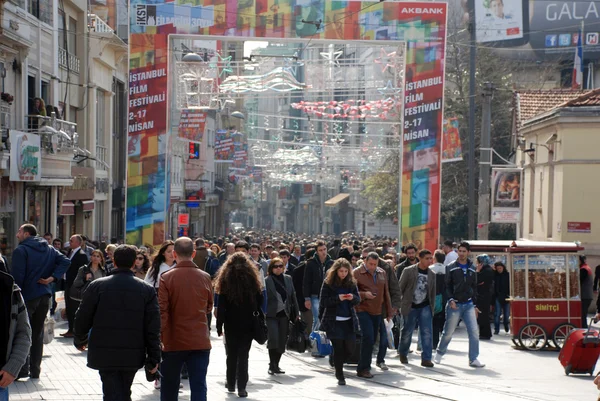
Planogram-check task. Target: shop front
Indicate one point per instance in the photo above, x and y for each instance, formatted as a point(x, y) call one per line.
point(8, 218)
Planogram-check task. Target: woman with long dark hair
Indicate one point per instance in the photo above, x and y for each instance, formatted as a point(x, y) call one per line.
point(142, 264)
point(339, 295)
point(282, 307)
point(239, 295)
point(162, 262)
point(88, 273)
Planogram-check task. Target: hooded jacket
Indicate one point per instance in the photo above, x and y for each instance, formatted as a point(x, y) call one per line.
point(15, 331)
point(34, 259)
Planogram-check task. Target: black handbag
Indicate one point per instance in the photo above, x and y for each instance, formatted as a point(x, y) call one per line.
point(259, 327)
point(297, 339)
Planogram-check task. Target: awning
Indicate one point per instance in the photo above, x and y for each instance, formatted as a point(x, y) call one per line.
point(337, 199)
point(67, 208)
point(88, 205)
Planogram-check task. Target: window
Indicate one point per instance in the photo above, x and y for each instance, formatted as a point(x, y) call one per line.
point(100, 118)
point(46, 93)
point(61, 30)
point(72, 45)
point(99, 211)
point(41, 9)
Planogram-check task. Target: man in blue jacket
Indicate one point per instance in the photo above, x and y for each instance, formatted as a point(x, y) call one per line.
point(35, 265)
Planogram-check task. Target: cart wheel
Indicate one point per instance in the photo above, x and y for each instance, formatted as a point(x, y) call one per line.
point(560, 333)
point(567, 370)
point(533, 337)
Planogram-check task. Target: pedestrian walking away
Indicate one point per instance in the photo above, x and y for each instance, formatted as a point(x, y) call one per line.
point(78, 259)
point(485, 292)
point(337, 315)
point(239, 292)
point(502, 292)
point(35, 265)
point(184, 329)
point(120, 340)
point(461, 290)
point(439, 314)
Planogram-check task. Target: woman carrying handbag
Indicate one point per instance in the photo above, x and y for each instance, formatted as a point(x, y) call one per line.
point(239, 298)
point(282, 307)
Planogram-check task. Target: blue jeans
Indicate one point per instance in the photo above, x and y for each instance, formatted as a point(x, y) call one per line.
point(498, 311)
point(314, 306)
point(383, 342)
point(197, 364)
point(369, 325)
point(466, 312)
point(3, 394)
point(425, 319)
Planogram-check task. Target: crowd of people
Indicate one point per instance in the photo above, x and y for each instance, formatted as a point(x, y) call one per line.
point(138, 307)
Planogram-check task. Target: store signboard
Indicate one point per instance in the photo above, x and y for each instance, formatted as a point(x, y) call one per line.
point(25, 157)
point(183, 219)
point(579, 227)
point(506, 195)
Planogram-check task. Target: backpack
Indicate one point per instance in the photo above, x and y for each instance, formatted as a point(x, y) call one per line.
point(212, 265)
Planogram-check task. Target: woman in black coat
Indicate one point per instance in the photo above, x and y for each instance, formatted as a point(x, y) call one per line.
point(239, 295)
point(282, 308)
point(502, 292)
point(338, 318)
point(485, 288)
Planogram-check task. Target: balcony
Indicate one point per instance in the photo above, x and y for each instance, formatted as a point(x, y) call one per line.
point(56, 136)
point(96, 24)
point(101, 152)
point(4, 124)
point(65, 57)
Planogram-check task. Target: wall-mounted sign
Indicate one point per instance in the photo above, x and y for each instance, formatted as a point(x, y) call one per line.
point(183, 219)
point(25, 157)
point(84, 185)
point(506, 195)
point(579, 227)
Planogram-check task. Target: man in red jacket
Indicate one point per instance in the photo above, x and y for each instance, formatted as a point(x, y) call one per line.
point(185, 297)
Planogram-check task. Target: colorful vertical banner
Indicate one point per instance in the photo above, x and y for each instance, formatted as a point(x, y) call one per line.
point(240, 155)
point(224, 146)
point(451, 145)
point(506, 195)
point(191, 125)
point(421, 25)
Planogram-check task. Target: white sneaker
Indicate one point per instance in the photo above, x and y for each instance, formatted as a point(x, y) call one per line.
point(382, 366)
point(476, 364)
point(437, 359)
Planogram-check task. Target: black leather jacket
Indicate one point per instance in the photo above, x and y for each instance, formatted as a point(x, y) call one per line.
point(461, 287)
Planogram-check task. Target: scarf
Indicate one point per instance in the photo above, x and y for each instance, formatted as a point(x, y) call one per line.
point(280, 286)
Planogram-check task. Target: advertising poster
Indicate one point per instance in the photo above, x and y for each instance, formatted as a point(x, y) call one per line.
point(499, 20)
point(451, 147)
point(191, 125)
point(224, 146)
point(25, 157)
point(422, 25)
point(506, 195)
point(240, 156)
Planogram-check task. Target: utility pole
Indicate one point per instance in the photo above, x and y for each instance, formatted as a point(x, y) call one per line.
point(485, 163)
point(472, 67)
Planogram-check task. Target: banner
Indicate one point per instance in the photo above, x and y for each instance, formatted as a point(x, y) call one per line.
point(25, 157)
point(421, 25)
point(224, 146)
point(506, 195)
point(191, 125)
point(452, 148)
point(240, 156)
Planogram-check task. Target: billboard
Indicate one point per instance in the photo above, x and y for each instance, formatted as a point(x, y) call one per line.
point(534, 29)
point(506, 195)
point(421, 25)
point(25, 157)
point(451, 146)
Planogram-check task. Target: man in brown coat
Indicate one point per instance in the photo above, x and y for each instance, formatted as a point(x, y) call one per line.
point(185, 297)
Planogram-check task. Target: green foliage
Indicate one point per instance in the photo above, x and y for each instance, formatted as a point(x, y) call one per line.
point(381, 189)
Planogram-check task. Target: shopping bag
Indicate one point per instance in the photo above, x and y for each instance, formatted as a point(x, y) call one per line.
point(320, 344)
point(48, 329)
point(389, 325)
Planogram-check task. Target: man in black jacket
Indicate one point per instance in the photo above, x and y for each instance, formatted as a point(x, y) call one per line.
point(122, 340)
point(313, 280)
point(461, 289)
point(78, 258)
point(297, 278)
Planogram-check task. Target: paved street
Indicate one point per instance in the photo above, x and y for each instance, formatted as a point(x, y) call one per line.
point(510, 375)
